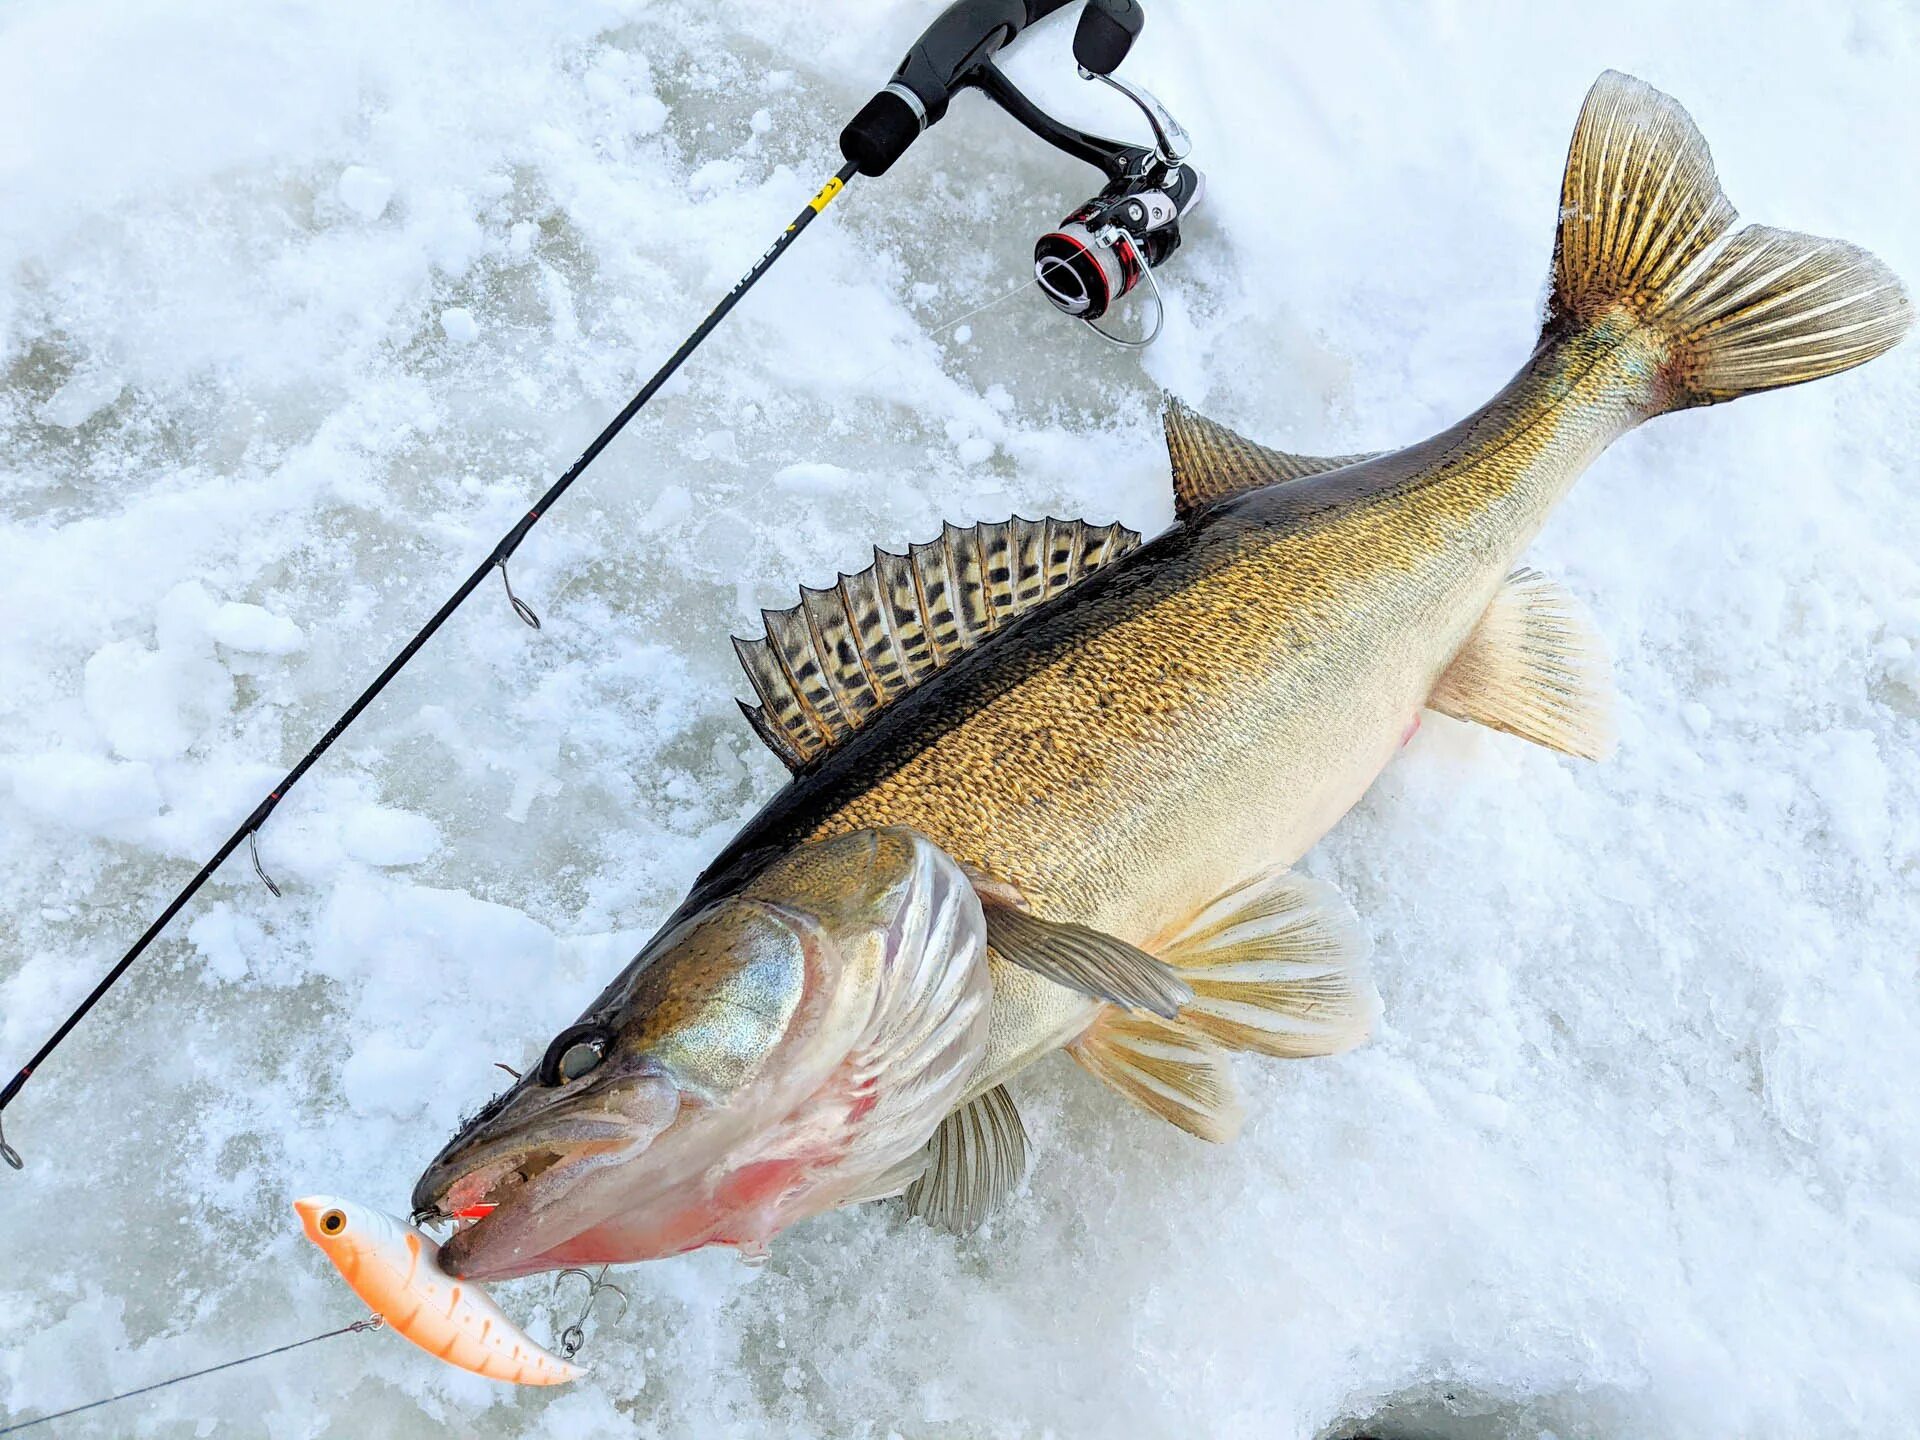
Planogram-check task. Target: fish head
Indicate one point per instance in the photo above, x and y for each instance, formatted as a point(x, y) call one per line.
point(704, 1094)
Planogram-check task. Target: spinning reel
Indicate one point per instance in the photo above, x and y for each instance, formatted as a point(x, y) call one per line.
point(1106, 247)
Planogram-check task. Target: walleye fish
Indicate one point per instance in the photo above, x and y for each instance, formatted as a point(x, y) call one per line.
point(1124, 747)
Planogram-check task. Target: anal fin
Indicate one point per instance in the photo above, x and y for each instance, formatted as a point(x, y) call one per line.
point(1534, 667)
point(976, 1159)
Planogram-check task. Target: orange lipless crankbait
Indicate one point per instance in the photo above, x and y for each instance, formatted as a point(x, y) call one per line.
point(395, 1269)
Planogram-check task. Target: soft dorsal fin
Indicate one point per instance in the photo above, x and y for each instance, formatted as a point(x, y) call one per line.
point(827, 666)
point(1211, 462)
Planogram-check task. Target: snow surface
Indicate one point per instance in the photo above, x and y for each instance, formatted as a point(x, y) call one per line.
point(302, 303)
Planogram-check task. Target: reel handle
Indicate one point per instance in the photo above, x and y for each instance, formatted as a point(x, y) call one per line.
point(944, 59)
point(1106, 32)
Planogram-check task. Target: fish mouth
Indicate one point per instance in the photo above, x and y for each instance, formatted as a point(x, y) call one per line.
point(495, 1210)
point(522, 1191)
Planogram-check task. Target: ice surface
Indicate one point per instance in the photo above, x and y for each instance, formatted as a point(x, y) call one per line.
point(255, 630)
point(82, 397)
point(1636, 1149)
point(365, 192)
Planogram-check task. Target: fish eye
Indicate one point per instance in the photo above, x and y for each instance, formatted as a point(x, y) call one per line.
point(333, 1222)
point(574, 1053)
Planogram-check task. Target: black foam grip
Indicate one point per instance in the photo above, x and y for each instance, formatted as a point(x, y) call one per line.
point(880, 133)
point(1105, 34)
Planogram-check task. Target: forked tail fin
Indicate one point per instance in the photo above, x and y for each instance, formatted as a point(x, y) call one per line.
point(1645, 229)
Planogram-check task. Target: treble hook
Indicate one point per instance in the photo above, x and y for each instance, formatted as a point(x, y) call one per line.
point(253, 845)
point(575, 1335)
point(9, 1154)
point(520, 607)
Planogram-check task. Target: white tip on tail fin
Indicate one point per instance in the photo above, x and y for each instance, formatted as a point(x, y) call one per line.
point(1644, 229)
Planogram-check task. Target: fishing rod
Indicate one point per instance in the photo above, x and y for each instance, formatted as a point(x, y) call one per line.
point(1098, 254)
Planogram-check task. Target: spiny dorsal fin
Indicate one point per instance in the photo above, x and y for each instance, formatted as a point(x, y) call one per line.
point(827, 666)
point(1211, 461)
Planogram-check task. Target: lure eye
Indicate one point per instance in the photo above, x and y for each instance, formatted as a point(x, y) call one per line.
point(333, 1222)
point(574, 1053)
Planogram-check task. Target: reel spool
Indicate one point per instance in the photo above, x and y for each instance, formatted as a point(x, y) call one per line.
point(1109, 245)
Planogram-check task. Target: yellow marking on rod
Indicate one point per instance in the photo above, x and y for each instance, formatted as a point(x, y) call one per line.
point(827, 191)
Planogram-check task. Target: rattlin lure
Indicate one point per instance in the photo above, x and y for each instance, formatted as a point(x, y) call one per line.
point(395, 1269)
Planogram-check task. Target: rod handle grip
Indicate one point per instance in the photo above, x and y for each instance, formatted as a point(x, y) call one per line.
point(965, 36)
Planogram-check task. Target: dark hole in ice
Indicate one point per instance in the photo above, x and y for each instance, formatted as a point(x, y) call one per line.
point(1449, 1410)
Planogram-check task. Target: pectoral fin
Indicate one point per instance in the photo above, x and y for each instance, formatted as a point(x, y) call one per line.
point(1534, 667)
point(978, 1157)
point(1098, 965)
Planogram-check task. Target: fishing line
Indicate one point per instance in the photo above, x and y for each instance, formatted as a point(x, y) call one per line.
point(497, 560)
point(372, 1322)
point(1026, 284)
point(932, 331)
point(1043, 266)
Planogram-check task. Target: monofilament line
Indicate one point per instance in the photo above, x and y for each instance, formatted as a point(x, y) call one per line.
point(372, 1322)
